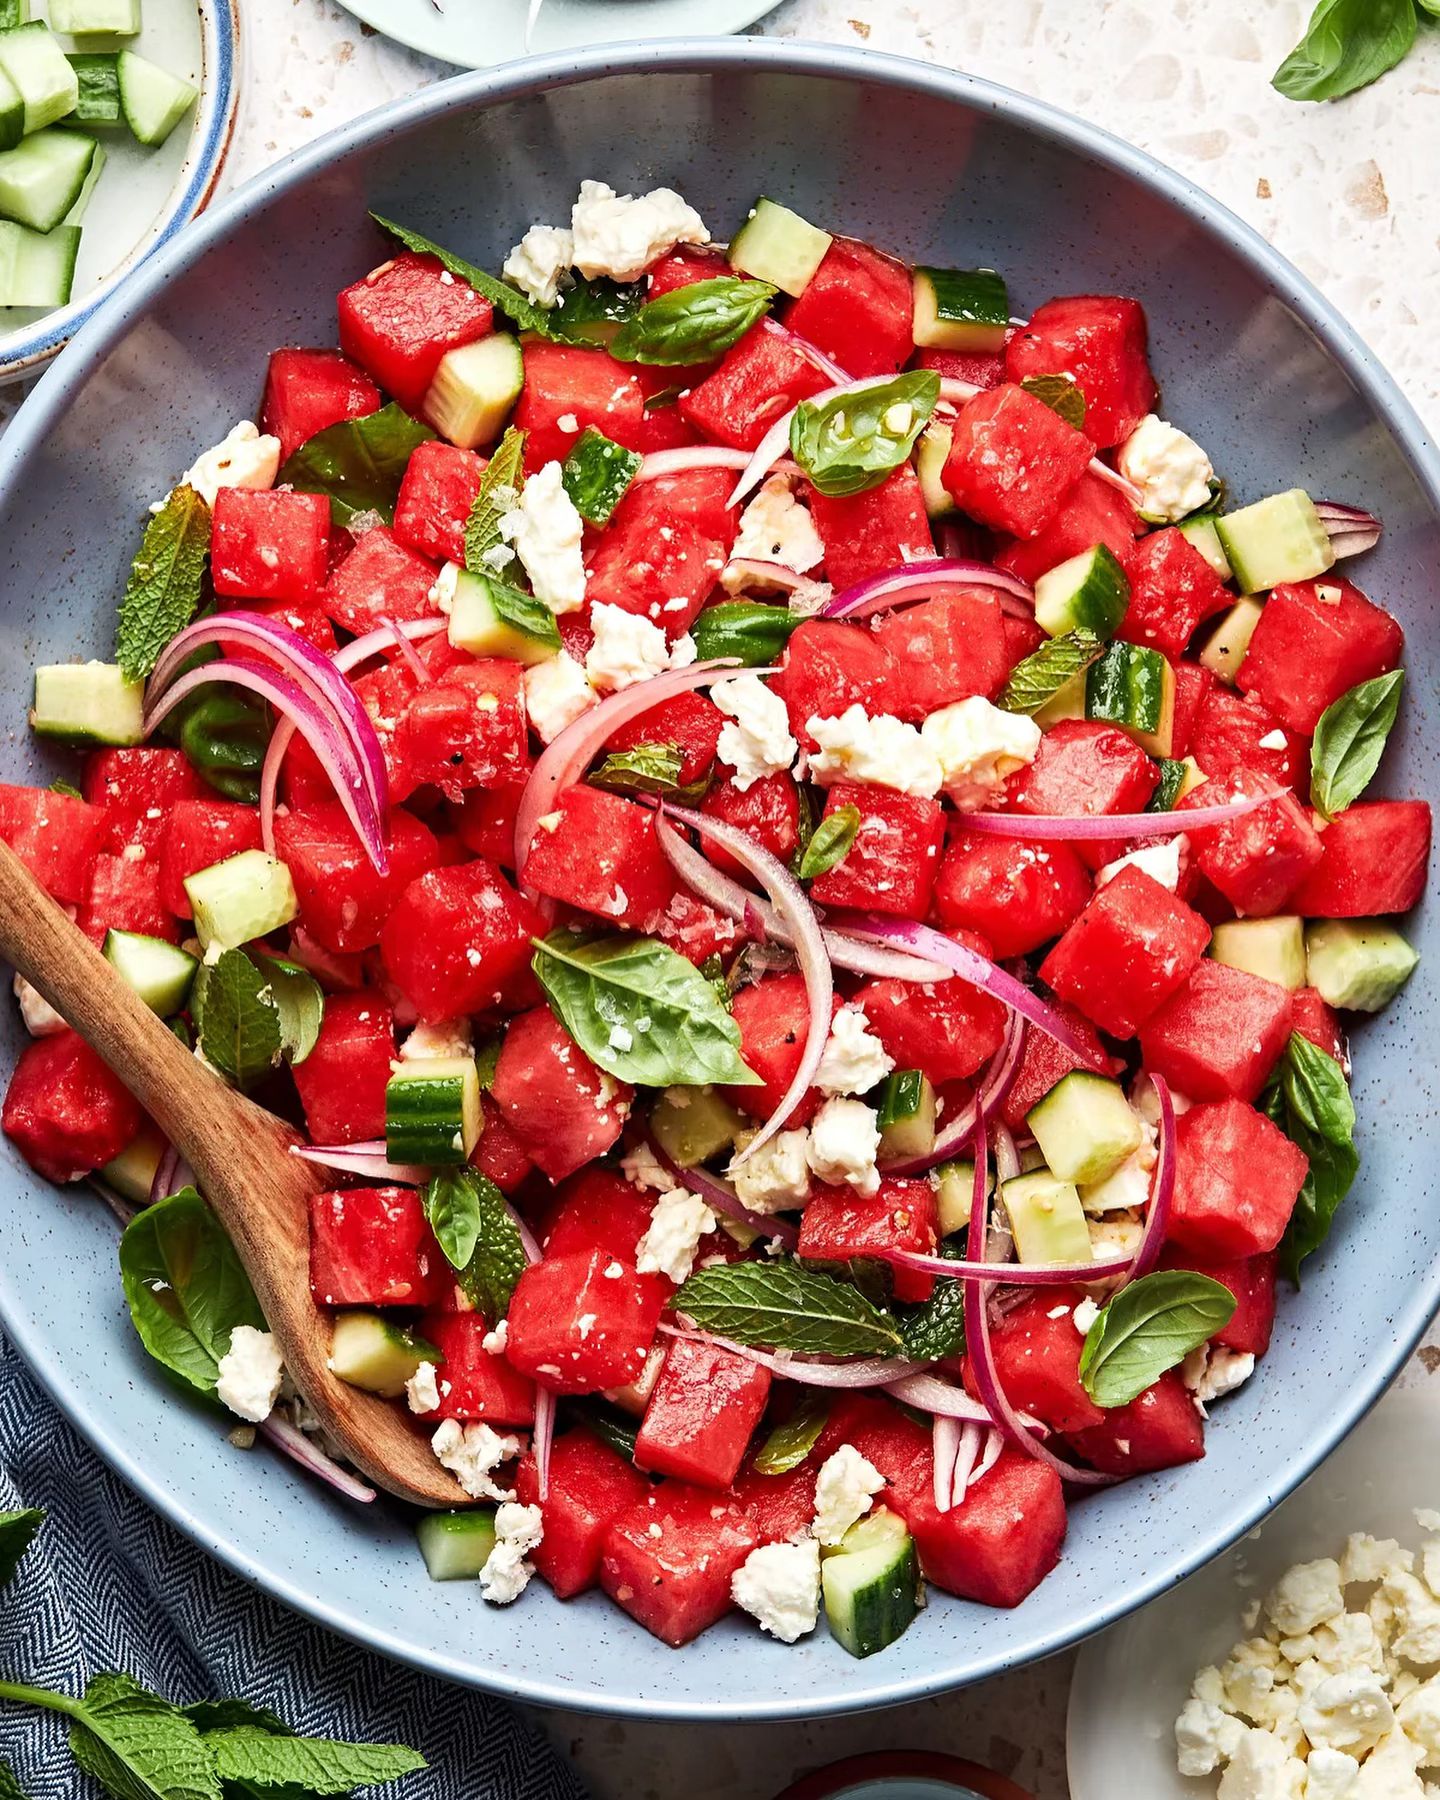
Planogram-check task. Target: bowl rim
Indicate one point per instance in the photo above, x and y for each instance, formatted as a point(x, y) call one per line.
point(34, 422)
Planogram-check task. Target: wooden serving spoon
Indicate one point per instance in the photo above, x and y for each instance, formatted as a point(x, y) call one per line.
point(241, 1158)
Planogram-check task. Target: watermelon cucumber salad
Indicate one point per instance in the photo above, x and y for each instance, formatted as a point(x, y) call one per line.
point(801, 868)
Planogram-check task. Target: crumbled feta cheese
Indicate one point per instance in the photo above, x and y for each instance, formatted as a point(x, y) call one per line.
point(977, 745)
point(854, 1060)
point(641, 1167)
point(547, 535)
point(844, 1142)
point(1262, 1768)
point(1306, 1596)
point(1272, 740)
point(494, 1342)
point(472, 1452)
point(249, 1374)
point(1171, 471)
point(628, 648)
point(41, 1018)
point(244, 459)
point(428, 1042)
point(1205, 1737)
point(755, 739)
point(777, 1177)
point(1161, 862)
point(1084, 1316)
point(683, 652)
point(556, 694)
point(442, 590)
point(679, 1220)
point(882, 751)
point(620, 235)
point(775, 528)
point(1128, 1187)
point(1367, 1559)
point(843, 1493)
point(779, 1584)
point(539, 262)
point(1349, 1712)
point(507, 1570)
point(422, 1392)
point(1211, 1371)
point(1330, 1775)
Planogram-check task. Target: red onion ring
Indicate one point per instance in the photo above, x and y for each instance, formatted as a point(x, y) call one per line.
point(172, 1173)
point(1063, 827)
point(366, 1160)
point(918, 581)
point(660, 463)
point(1012, 1274)
point(296, 1445)
point(719, 1199)
point(994, 1444)
point(990, 1094)
point(956, 391)
point(773, 575)
point(1352, 531)
point(408, 651)
point(1162, 1188)
point(542, 1437)
point(869, 1371)
point(812, 353)
point(928, 1393)
point(1103, 472)
point(945, 1435)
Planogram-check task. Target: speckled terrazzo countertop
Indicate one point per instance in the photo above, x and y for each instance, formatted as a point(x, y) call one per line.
point(1351, 193)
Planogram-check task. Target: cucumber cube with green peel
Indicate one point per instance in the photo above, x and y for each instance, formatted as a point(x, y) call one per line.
point(40, 71)
point(473, 390)
point(1085, 1127)
point(159, 972)
point(99, 79)
point(960, 309)
point(1133, 687)
point(43, 176)
point(1273, 948)
point(778, 246)
point(1224, 650)
point(597, 475)
point(1206, 539)
point(488, 617)
point(243, 898)
point(932, 452)
point(1046, 1219)
point(1276, 540)
point(907, 1115)
point(456, 1546)
point(1090, 590)
point(12, 113)
point(376, 1354)
point(871, 1583)
point(694, 1124)
point(152, 99)
point(432, 1111)
point(955, 1194)
point(1357, 965)
point(96, 18)
point(88, 703)
point(132, 1173)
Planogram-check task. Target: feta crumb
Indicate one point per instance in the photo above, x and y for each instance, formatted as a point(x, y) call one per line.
point(1211, 1371)
point(1272, 740)
point(429, 1042)
point(620, 235)
point(779, 1584)
point(641, 1167)
point(539, 262)
point(775, 528)
point(1306, 1596)
point(977, 745)
point(507, 1570)
point(679, 1220)
point(628, 648)
point(755, 739)
point(777, 1177)
point(41, 1018)
point(1330, 1775)
point(1161, 862)
point(249, 1374)
point(556, 694)
point(854, 1060)
point(244, 459)
point(472, 1452)
point(547, 534)
point(1349, 1712)
point(496, 1341)
point(1171, 470)
point(882, 751)
point(844, 1143)
point(1205, 1737)
point(843, 1493)
point(1084, 1316)
point(422, 1392)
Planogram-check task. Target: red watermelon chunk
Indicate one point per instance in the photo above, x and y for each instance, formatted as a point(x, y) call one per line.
point(828, 667)
point(475, 1383)
point(485, 820)
point(699, 497)
point(682, 267)
point(438, 490)
point(768, 810)
point(269, 545)
point(561, 1107)
point(342, 1081)
point(946, 1029)
point(1099, 341)
point(308, 390)
point(781, 1506)
point(1084, 768)
point(1373, 859)
point(597, 1209)
point(124, 895)
point(197, 834)
point(942, 651)
point(1235, 731)
point(372, 1247)
point(500, 1154)
point(601, 854)
point(866, 534)
point(344, 902)
point(702, 1411)
point(890, 867)
point(690, 722)
point(1251, 1280)
point(590, 1487)
point(1236, 1181)
point(891, 1441)
point(1127, 953)
point(379, 579)
point(1043, 1062)
point(773, 1016)
point(755, 384)
point(675, 1580)
point(839, 1224)
point(1258, 860)
point(1017, 895)
point(1002, 1543)
point(54, 835)
point(1315, 641)
point(65, 1112)
point(1193, 683)
point(1093, 513)
point(1317, 1020)
point(1013, 461)
point(1173, 590)
point(577, 1324)
point(569, 387)
point(981, 368)
point(457, 942)
point(138, 789)
point(466, 730)
point(1036, 1349)
point(399, 322)
point(1220, 1035)
point(1159, 1430)
point(664, 573)
point(307, 620)
point(858, 308)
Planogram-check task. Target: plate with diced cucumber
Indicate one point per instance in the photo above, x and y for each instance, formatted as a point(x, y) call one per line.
point(99, 100)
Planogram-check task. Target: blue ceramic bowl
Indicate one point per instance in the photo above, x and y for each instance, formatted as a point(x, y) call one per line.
point(943, 169)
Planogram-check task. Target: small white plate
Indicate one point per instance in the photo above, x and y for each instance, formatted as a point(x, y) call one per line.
point(1131, 1681)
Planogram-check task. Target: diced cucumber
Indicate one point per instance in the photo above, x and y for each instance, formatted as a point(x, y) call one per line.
point(1089, 590)
point(1358, 965)
point(1275, 540)
point(955, 1193)
point(1206, 539)
point(13, 13)
point(932, 452)
point(99, 79)
point(871, 1583)
point(907, 1115)
point(1167, 788)
point(42, 177)
point(593, 309)
point(456, 1546)
point(474, 389)
point(132, 1172)
point(1273, 948)
point(37, 268)
point(960, 309)
point(1224, 649)
point(1085, 1126)
point(1133, 687)
point(488, 617)
point(1067, 702)
point(597, 473)
point(245, 897)
point(778, 246)
point(96, 18)
point(159, 972)
point(692, 1124)
point(432, 1111)
point(31, 56)
point(152, 99)
point(87, 703)
point(1046, 1218)
point(376, 1354)
point(12, 113)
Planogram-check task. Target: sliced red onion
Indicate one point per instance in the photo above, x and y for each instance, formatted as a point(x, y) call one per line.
point(994, 1444)
point(1014, 1274)
point(719, 1198)
point(1352, 530)
point(777, 575)
point(956, 391)
point(408, 652)
point(928, 1393)
point(918, 581)
point(366, 1160)
point(990, 1094)
point(1074, 827)
point(341, 969)
point(303, 1450)
point(868, 1372)
point(542, 1438)
point(1103, 472)
point(172, 1173)
point(660, 463)
point(962, 1476)
point(944, 1452)
point(812, 353)
point(1162, 1188)
point(1007, 1157)
point(772, 446)
point(792, 904)
point(124, 1210)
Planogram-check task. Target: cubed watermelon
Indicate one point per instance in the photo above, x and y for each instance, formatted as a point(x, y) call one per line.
point(1159, 1430)
point(768, 810)
point(839, 1224)
point(1235, 731)
point(1193, 682)
point(1043, 1062)
point(1251, 1280)
point(436, 494)
point(476, 1383)
point(138, 789)
point(1317, 1020)
point(466, 730)
point(890, 867)
point(269, 545)
point(1258, 860)
point(690, 723)
point(561, 1107)
point(575, 1327)
point(981, 368)
point(858, 308)
point(1220, 1035)
point(892, 1441)
point(1236, 1181)
point(1099, 341)
point(342, 1081)
point(865, 534)
point(1173, 590)
point(458, 942)
point(946, 1029)
point(373, 1247)
point(569, 387)
point(402, 318)
point(344, 902)
point(484, 821)
point(122, 894)
point(828, 667)
point(1036, 1349)
point(1316, 640)
point(307, 390)
point(379, 579)
point(597, 1209)
point(499, 1153)
point(198, 833)
point(65, 1112)
point(665, 573)
point(1085, 768)
point(1017, 895)
point(1373, 860)
point(601, 854)
point(1013, 461)
point(668, 1560)
point(699, 497)
point(773, 1016)
point(683, 266)
point(1002, 1543)
point(1127, 953)
point(1093, 513)
point(590, 1487)
point(755, 383)
point(944, 650)
point(56, 836)
point(702, 1411)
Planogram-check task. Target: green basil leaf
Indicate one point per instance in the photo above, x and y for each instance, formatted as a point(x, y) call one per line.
point(452, 1205)
point(638, 993)
point(1350, 740)
point(1347, 45)
point(138, 1746)
point(224, 735)
point(785, 1306)
point(510, 301)
point(647, 769)
point(185, 1287)
point(1149, 1327)
point(16, 1531)
point(789, 1444)
point(166, 581)
point(1309, 1099)
point(316, 1765)
point(830, 844)
point(937, 1328)
point(237, 1018)
point(1060, 394)
point(358, 464)
point(592, 309)
point(753, 634)
point(466, 1201)
point(695, 323)
point(299, 1000)
point(1036, 679)
point(500, 485)
point(853, 441)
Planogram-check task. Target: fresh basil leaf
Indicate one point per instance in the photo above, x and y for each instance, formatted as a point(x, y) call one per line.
point(17, 1529)
point(166, 581)
point(593, 309)
point(516, 306)
point(358, 464)
point(224, 734)
point(1036, 679)
point(10, 1788)
point(452, 1205)
point(785, 1306)
point(789, 1444)
point(647, 769)
point(936, 1328)
point(597, 475)
point(318, 1765)
point(1060, 394)
point(1309, 1099)
point(639, 993)
point(614, 1429)
point(470, 1210)
point(1149, 1327)
point(744, 629)
point(138, 1746)
point(830, 843)
point(236, 1018)
point(1347, 45)
point(300, 1002)
point(852, 441)
point(1350, 740)
point(695, 323)
point(499, 488)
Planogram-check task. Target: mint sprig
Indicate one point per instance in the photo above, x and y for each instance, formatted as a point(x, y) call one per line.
point(166, 581)
point(785, 1306)
point(505, 299)
point(16, 1532)
point(502, 480)
point(250, 1011)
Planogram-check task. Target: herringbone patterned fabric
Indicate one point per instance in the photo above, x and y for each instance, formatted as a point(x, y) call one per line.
point(108, 1585)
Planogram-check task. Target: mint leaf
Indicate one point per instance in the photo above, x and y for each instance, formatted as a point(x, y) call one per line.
point(17, 1529)
point(1309, 1099)
point(1036, 679)
point(300, 1001)
point(166, 581)
point(358, 464)
point(218, 1715)
point(852, 441)
point(695, 323)
point(1348, 44)
point(500, 485)
point(138, 1746)
point(1060, 394)
point(452, 1205)
point(10, 1788)
point(185, 1287)
point(237, 1018)
point(319, 1765)
point(936, 1328)
point(789, 1444)
point(1350, 740)
point(750, 632)
point(830, 842)
point(505, 299)
point(481, 1241)
point(647, 769)
point(1149, 1327)
point(640, 1011)
point(785, 1306)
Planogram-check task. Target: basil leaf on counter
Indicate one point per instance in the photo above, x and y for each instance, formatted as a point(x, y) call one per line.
point(789, 1444)
point(1149, 1327)
point(298, 998)
point(830, 842)
point(785, 1306)
point(852, 441)
point(237, 1018)
point(166, 581)
point(1036, 679)
point(750, 632)
point(695, 323)
point(16, 1531)
point(469, 1217)
point(1350, 740)
point(1309, 1099)
point(1060, 394)
point(647, 769)
point(358, 464)
point(517, 307)
point(1347, 45)
point(500, 485)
